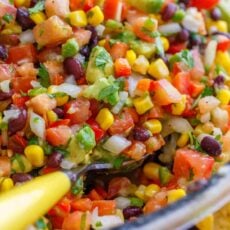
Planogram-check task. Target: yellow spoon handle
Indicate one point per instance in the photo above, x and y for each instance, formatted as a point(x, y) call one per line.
point(26, 203)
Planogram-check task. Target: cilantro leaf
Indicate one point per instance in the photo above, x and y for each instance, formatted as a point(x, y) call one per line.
point(208, 91)
point(78, 187)
point(184, 56)
point(195, 143)
point(44, 76)
point(40, 224)
point(126, 37)
point(102, 59)
point(40, 6)
point(118, 161)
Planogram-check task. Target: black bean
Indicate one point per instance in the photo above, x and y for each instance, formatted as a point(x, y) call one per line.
point(54, 160)
point(219, 80)
point(131, 212)
point(183, 35)
point(33, 3)
point(195, 40)
point(169, 11)
point(94, 37)
point(4, 96)
point(18, 123)
point(73, 67)
point(85, 51)
point(215, 14)
point(23, 18)
point(21, 177)
point(3, 52)
point(60, 112)
point(196, 185)
point(141, 134)
point(211, 146)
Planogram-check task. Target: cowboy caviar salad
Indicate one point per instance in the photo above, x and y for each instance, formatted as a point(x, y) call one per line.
point(114, 80)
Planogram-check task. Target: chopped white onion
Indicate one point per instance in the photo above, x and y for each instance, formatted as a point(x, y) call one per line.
point(207, 104)
point(67, 164)
point(11, 114)
point(123, 97)
point(69, 89)
point(27, 37)
point(122, 202)
point(170, 28)
point(204, 118)
point(70, 80)
point(217, 132)
point(133, 80)
point(5, 86)
point(210, 53)
point(35, 84)
point(100, 30)
point(106, 222)
point(119, 11)
point(37, 125)
point(220, 118)
point(180, 125)
point(116, 144)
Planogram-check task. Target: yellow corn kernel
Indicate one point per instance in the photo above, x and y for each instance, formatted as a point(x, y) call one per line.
point(6, 184)
point(78, 18)
point(151, 170)
point(223, 59)
point(224, 96)
point(175, 194)
point(119, 213)
point(52, 89)
point(158, 69)
point(165, 43)
point(95, 16)
point(140, 192)
point(35, 155)
point(198, 130)
point(141, 65)
point(131, 57)
point(102, 42)
point(183, 140)
point(143, 104)
point(178, 108)
point(38, 18)
point(222, 26)
point(52, 116)
point(153, 125)
point(151, 189)
point(12, 28)
point(19, 3)
point(105, 118)
point(61, 99)
point(206, 224)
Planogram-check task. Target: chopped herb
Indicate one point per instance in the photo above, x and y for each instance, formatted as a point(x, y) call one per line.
point(62, 151)
point(18, 158)
point(195, 143)
point(36, 91)
point(184, 56)
point(47, 148)
point(126, 37)
point(33, 141)
point(98, 224)
point(208, 91)
point(165, 175)
point(11, 2)
point(218, 137)
point(102, 59)
point(40, 6)
point(77, 188)
point(44, 76)
point(36, 119)
point(8, 18)
point(58, 94)
point(137, 202)
point(118, 161)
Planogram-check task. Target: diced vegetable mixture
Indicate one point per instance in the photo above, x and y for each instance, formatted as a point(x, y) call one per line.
point(85, 81)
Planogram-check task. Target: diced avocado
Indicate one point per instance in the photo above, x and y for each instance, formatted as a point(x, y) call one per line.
point(100, 65)
point(143, 48)
point(224, 6)
point(147, 6)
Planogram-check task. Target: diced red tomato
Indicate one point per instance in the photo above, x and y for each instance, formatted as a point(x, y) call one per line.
point(198, 70)
point(62, 208)
point(99, 133)
point(136, 151)
point(17, 143)
point(6, 8)
point(56, 221)
point(118, 50)
point(82, 36)
point(58, 135)
point(133, 113)
point(143, 84)
point(224, 45)
point(76, 221)
point(22, 84)
point(155, 204)
point(182, 82)
point(77, 111)
point(47, 170)
point(48, 54)
point(165, 93)
point(190, 163)
point(59, 123)
point(56, 79)
point(22, 53)
point(19, 100)
point(207, 4)
point(94, 195)
point(105, 207)
point(118, 185)
point(111, 8)
point(101, 191)
point(121, 124)
point(189, 111)
point(196, 88)
point(83, 204)
point(122, 68)
point(176, 47)
point(81, 4)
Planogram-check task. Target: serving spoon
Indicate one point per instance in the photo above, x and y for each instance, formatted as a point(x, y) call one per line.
point(26, 203)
